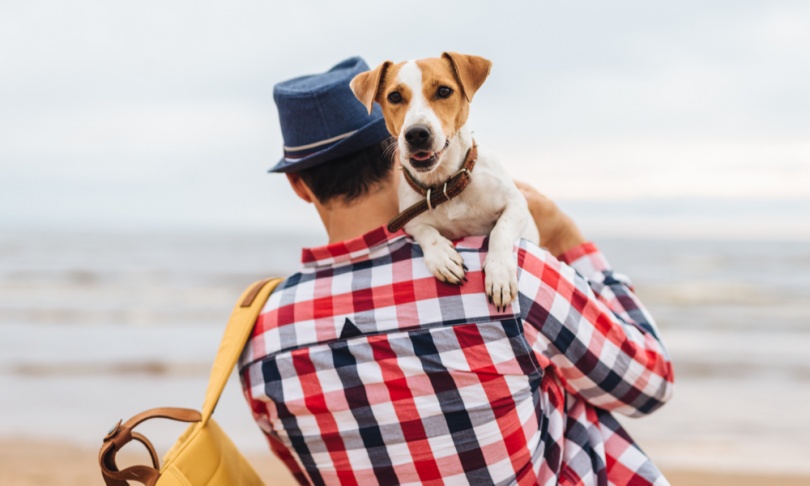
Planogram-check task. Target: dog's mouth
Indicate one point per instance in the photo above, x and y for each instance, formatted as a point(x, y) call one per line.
point(423, 161)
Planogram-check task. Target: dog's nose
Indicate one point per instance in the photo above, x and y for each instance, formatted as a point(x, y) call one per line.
point(418, 136)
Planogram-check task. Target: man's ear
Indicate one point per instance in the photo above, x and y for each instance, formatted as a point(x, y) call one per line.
point(300, 188)
point(366, 85)
point(471, 71)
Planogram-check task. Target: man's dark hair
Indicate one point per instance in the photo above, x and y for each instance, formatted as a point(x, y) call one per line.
point(351, 176)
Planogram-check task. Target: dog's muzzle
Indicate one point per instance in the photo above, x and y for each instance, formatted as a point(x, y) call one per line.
point(423, 160)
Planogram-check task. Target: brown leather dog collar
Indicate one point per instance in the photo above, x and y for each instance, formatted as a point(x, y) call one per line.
point(436, 195)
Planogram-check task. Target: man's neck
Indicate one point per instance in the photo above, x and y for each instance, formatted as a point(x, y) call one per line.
point(348, 221)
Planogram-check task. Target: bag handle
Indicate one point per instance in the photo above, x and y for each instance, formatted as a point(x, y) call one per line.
point(237, 332)
point(240, 326)
point(122, 433)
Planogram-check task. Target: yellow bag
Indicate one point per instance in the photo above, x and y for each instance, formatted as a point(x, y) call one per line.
point(203, 455)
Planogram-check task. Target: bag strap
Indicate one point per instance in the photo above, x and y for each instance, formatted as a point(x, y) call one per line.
point(240, 326)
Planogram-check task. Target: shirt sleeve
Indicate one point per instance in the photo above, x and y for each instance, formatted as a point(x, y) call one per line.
point(586, 325)
point(263, 413)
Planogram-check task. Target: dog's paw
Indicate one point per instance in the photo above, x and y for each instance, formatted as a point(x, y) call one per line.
point(444, 262)
point(501, 280)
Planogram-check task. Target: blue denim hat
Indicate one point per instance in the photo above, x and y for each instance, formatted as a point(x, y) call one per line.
point(322, 120)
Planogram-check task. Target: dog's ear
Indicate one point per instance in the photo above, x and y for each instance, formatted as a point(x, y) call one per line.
point(366, 86)
point(471, 71)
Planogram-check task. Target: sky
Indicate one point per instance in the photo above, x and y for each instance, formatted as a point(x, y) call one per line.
point(687, 118)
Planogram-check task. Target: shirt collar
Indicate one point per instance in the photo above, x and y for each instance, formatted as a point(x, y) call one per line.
point(350, 250)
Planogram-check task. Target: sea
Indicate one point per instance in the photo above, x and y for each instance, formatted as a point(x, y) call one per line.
point(96, 326)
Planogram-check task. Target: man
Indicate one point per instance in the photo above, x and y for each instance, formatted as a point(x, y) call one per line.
point(363, 368)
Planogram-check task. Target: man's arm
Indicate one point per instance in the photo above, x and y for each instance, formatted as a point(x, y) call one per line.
point(264, 413)
point(585, 320)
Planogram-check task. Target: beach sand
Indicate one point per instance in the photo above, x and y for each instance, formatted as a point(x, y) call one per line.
point(26, 462)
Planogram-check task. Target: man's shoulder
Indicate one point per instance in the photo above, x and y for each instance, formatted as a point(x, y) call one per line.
point(529, 255)
point(482, 243)
point(472, 243)
point(532, 260)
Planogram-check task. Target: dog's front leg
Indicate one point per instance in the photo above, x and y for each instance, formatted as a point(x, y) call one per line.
point(441, 257)
point(500, 267)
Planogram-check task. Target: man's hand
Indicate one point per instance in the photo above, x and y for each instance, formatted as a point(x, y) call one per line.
point(558, 233)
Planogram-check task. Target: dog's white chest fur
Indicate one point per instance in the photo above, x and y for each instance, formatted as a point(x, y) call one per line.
point(476, 210)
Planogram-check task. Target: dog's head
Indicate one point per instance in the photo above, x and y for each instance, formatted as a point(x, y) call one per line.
point(425, 103)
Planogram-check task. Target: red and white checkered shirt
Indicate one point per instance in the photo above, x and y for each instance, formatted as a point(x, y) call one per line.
point(365, 369)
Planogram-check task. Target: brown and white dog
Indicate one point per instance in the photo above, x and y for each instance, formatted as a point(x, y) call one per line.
point(425, 104)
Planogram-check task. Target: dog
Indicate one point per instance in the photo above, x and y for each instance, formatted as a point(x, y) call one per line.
point(426, 104)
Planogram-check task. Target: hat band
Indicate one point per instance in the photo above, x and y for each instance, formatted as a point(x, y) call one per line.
point(301, 151)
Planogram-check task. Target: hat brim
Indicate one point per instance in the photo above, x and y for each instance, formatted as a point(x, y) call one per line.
point(374, 132)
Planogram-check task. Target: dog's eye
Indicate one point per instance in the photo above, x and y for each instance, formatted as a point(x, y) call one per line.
point(394, 97)
point(444, 92)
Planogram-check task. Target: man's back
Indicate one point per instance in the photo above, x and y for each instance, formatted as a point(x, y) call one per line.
point(367, 369)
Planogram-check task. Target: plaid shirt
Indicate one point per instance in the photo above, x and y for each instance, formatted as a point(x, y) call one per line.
point(364, 369)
